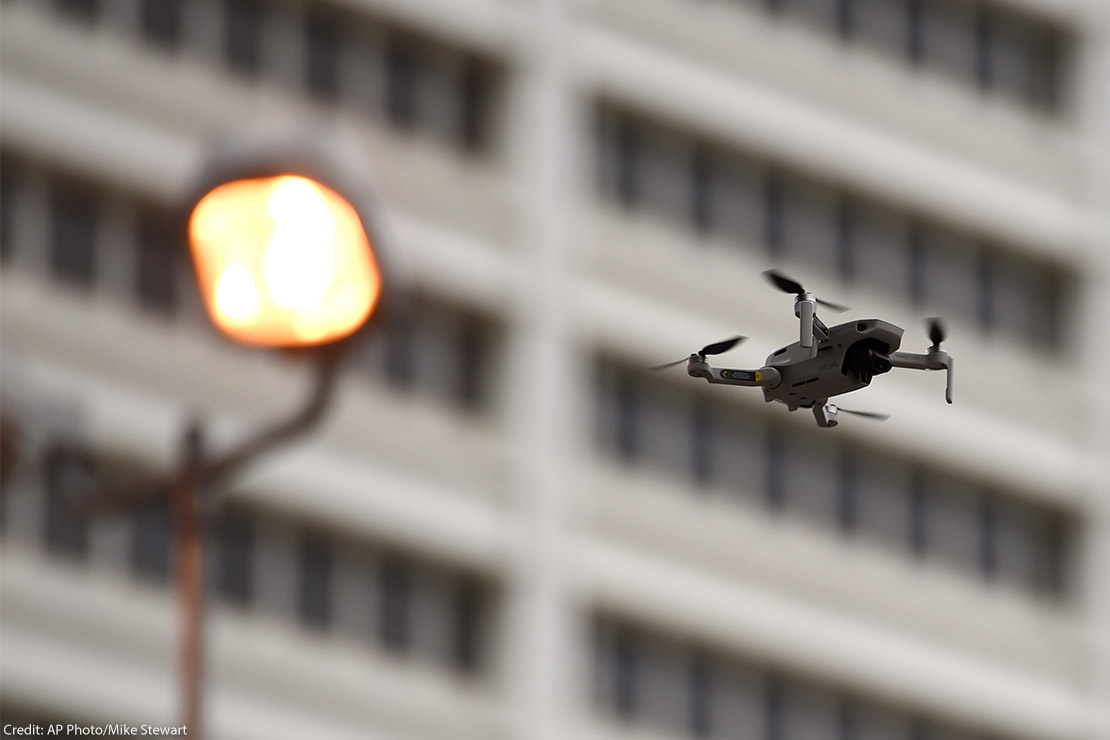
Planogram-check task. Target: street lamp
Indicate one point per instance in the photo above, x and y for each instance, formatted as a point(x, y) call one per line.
point(282, 261)
point(286, 256)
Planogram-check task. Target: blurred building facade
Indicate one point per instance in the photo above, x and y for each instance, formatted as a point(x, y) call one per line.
point(506, 528)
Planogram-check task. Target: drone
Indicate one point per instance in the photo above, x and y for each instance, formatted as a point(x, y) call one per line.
point(824, 362)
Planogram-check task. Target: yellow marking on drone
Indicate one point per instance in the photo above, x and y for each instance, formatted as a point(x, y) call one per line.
point(757, 376)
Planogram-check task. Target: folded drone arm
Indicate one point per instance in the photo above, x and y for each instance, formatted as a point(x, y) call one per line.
point(766, 377)
point(935, 360)
point(805, 308)
point(811, 329)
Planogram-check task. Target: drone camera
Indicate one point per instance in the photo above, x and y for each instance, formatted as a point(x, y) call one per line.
point(866, 359)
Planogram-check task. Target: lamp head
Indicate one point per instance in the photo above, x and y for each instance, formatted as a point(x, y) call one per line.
point(282, 243)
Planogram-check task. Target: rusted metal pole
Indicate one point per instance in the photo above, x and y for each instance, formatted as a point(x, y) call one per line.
point(198, 472)
point(190, 581)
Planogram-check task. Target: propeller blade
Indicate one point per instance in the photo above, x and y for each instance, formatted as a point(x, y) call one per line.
point(710, 349)
point(936, 331)
point(722, 346)
point(834, 306)
point(783, 283)
point(789, 285)
point(666, 365)
point(865, 414)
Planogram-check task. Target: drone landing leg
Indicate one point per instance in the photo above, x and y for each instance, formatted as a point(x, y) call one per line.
point(826, 414)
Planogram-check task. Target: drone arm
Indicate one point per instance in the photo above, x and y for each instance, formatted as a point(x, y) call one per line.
point(935, 360)
point(806, 309)
point(765, 377)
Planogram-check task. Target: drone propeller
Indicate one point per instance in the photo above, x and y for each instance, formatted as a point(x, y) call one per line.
point(789, 285)
point(710, 349)
point(865, 414)
point(937, 332)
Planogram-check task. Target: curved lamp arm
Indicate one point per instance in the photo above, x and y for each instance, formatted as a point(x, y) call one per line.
point(283, 430)
point(202, 469)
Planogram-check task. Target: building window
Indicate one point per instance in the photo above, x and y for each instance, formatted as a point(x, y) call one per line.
point(978, 43)
point(8, 182)
point(916, 276)
point(84, 9)
point(988, 537)
point(984, 290)
point(467, 604)
point(949, 272)
point(315, 581)
point(396, 602)
point(856, 239)
point(323, 54)
point(845, 241)
point(949, 41)
point(701, 444)
point(738, 458)
point(624, 675)
point(400, 344)
point(847, 726)
point(627, 166)
point(845, 18)
point(918, 529)
point(666, 686)
point(401, 74)
point(887, 500)
point(151, 541)
point(882, 23)
point(663, 168)
point(234, 547)
point(68, 473)
point(820, 13)
point(737, 200)
point(774, 700)
point(846, 515)
point(915, 30)
point(435, 350)
point(475, 103)
point(1053, 535)
point(73, 232)
point(773, 215)
point(701, 202)
point(626, 419)
point(810, 468)
point(983, 42)
point(701, 692)
point(436, 615)
point(160, 22)
point(1024, 60)
point(809, 223)
point(954, 524)
point(473, 346)
point(774, 481)
point(160, 259)
point(664, 433)
point(243, 35)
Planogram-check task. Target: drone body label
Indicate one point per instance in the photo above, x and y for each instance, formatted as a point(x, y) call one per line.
point(744, 375)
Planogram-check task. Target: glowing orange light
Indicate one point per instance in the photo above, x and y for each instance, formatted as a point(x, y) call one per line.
point(283, 261)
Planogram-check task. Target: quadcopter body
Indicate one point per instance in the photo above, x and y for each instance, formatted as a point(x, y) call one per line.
point(853, 353)
point(824, 362)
